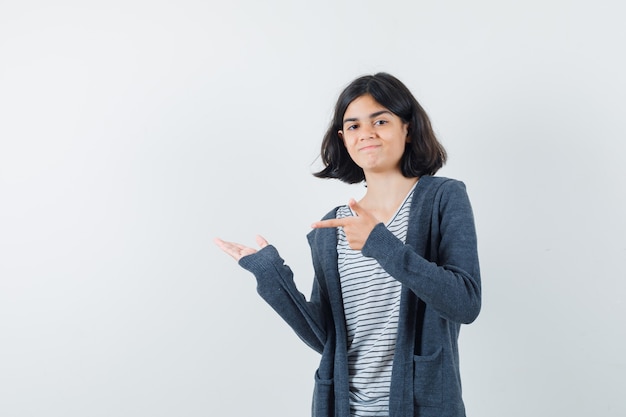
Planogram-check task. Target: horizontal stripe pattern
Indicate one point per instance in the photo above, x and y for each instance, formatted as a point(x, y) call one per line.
point(371, 303)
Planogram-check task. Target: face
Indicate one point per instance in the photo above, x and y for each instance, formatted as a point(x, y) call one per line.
point(374, 137)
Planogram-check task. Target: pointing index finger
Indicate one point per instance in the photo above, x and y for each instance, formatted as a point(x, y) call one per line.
point(328, 223)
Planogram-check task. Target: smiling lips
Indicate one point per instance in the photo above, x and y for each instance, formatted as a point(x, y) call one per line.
point(369, 147)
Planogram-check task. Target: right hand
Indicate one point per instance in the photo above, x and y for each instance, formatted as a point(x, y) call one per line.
point(237, 250)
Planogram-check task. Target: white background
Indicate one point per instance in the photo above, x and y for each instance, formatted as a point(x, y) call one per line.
point(134, 132)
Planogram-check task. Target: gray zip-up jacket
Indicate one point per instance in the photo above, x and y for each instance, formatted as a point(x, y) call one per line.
point(439, 271)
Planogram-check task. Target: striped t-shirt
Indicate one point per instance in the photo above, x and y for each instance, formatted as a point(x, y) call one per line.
point(371, 300)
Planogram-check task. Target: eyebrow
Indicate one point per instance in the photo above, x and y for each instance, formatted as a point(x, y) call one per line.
point(372, 116)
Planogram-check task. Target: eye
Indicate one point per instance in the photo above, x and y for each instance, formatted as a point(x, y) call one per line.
point(380, 122)
point(352, 127)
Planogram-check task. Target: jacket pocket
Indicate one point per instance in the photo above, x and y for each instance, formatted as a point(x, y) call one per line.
point(428, 379)
point(323, 397)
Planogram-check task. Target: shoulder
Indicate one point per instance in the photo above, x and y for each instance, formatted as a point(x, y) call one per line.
point(440, 183)
point(325, 234)
point(443, 193)
point(441, 188)
point(333, 213)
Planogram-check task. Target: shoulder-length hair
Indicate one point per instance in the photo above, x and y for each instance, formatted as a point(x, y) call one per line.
point(423, 154)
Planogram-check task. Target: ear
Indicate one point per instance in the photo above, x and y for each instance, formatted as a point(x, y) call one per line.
point(340, 134)
point(406, 133)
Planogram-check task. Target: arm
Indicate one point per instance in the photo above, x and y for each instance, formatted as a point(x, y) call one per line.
point(451, 284)
point(276, 286)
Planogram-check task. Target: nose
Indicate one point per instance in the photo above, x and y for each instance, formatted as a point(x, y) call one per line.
point(366, 132)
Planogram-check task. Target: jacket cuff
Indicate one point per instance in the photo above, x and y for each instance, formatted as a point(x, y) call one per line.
point(261, 260)
point(381, 243)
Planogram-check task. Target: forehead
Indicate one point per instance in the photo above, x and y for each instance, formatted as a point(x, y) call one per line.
point(366, 107)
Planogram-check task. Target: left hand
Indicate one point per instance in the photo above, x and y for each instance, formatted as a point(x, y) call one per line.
point(357, 228)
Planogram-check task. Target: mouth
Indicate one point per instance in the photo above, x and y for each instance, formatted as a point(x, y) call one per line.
point(369, 148)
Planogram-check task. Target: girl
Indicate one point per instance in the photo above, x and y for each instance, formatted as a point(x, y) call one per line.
point(396, 273)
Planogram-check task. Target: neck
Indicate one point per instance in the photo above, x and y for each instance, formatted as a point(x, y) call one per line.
point(386, 192)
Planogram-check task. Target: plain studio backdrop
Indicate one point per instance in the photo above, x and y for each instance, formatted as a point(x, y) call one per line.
point(134, 132)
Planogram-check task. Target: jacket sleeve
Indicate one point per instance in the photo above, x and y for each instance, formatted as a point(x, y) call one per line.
point(276, 286)
point(450, 285)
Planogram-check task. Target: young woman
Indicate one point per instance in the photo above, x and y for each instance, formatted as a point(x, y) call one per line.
point(396, 273)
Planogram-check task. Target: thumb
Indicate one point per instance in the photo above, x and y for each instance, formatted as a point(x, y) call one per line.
point(355, 207)
point(260, 240)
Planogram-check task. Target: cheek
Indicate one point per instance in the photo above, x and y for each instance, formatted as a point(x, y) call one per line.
point(350, 147)
point(350, 150)
point(348, 141)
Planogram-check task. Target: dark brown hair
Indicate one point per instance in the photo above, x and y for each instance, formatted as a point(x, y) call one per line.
point(423, 154)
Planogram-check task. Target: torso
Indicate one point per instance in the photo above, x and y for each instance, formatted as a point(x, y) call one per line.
point(371, 305)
